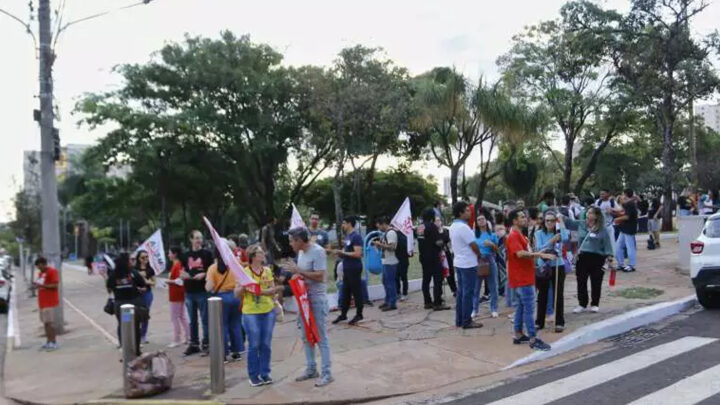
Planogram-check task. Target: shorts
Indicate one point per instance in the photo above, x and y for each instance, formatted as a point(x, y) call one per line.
point(47, 315)
point(654, 225)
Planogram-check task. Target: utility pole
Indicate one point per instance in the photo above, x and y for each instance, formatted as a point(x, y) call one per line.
point(50, 223)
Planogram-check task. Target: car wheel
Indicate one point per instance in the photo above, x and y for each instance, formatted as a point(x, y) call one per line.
point(3, 307)
point(708, 299)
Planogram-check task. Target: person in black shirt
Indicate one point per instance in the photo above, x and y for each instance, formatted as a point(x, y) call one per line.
point(655, 220)
point(124, 283)
point(430, 247)
point(643, 207)
point(195, 265)
point(351, 256)
point(627, 224)
point(148, 274)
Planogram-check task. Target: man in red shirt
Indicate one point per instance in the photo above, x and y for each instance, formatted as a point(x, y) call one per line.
point(521, 278)
point(47, 284)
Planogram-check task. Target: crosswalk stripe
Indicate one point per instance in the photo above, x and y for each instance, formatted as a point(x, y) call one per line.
point(690, 390)
point(604, 373)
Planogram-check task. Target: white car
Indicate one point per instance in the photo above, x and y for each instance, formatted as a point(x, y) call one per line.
point(705, 263)
point(5, 274)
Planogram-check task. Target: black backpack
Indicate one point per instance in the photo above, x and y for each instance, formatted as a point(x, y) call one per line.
point(401, 249)
point(651, 243)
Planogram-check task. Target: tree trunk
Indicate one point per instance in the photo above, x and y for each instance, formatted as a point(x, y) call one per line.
point(668, 160)
point(567, 170)
point(463, 185)
point(454, 171)
point(337, 197)
point(592, 164)
point(370, 197)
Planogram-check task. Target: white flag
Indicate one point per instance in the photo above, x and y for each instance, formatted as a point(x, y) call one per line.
point(402, 221)
point(156, 252)
point(231, 261)
point(296, 220)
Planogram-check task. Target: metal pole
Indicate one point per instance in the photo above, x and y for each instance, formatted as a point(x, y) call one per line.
point(32, 275)
point(127, 338)
point(50, 223)
point(22, 261)
point(217, 348)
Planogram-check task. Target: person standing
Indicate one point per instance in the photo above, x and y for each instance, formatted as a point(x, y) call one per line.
point(466, 250)
point(195, 263)
point(401, 281)
point(487, 241)
point(430, 247)
point(258, 317)
point(311, 267)
point(351, 256)
point(220, 282)
point(390, 262)
point(655, 220)
point(445, 250)
point(627, 224)
point(594, 250)
point(268, 242)
point(143, 268)
point(176, 296)
point(521, 279)
point(546, 239)
point(124, 283)
point(47, 283)
point(317, 234)
point(608, 208)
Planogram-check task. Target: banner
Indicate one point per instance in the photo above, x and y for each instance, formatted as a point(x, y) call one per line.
point(227, 256)
point(296, 220)
point(156, 252)
point(402, 221)
point(305, 311)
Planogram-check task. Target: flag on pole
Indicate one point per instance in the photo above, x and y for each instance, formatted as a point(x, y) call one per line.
point(227, 256)
point(156, 252)
point(402, 221)
point(296, 220)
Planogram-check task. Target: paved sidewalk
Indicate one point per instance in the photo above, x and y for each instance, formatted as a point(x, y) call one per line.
point(389, 354)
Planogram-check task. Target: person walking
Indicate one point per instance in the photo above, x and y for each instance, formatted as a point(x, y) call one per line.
point(487, 241)
point(258, 317)
point(466, 250)
point(553, 271)
point(311, 267)
point(390, 262)
point(430, 246)
point(195, 263)
point(628, 225)
point(521, 279)
point(220, 282)
point(146, 272)
point(176, 296)
point(594, 250)
point(47, 284)
point(351, 256)
point(125, 284)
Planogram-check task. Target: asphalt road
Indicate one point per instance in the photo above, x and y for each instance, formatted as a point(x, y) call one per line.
point(677, 364)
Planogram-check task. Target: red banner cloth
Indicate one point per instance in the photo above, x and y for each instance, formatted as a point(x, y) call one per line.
point(299, 290)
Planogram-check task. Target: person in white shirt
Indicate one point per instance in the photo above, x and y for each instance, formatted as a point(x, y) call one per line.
point(466, 252)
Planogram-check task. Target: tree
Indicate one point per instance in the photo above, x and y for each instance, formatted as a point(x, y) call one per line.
point(520, 173)
point(655, 57)
point(27, 218)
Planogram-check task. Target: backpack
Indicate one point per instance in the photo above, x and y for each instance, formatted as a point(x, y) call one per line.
point(401, 249)
point(612, 202)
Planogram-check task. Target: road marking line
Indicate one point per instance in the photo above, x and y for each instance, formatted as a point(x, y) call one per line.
point(102, 330)
point(595, 376)
point(690, 390)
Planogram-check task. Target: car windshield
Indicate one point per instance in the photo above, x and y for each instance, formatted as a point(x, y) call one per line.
point(712, 229)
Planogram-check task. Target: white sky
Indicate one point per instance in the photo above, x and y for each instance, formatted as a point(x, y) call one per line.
point(419, 34)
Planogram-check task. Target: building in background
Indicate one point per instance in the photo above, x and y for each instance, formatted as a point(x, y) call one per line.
point(710, 114)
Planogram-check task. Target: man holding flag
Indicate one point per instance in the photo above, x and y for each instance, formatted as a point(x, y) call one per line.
point(403, 223)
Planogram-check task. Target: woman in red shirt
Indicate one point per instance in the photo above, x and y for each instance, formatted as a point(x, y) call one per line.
point(176, 293)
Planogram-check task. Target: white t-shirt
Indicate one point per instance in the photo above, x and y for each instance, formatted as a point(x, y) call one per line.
point(461, 236)
point(389, 256)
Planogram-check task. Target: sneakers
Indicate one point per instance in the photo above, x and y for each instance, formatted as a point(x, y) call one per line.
point(495, 315)
point(192, 349)
point(538, 344)
point(307, 376)
point(49, 347)
point(355, 320)
point(235, 356)
point(473, 325)
point(595, 309)
point(383, 306)
point(521, 340)
point(339, 319)
point(370, 304)
point(428, 306)
point(559, 328)
point(473, 314)
point(578, 310)
point(44, 347)
point(441, 307)
point(173, 345)
point(627, 269)
point(484, 298)
point(205, 351)
point(389, 308)
point(266, 379)
point(403, 297)
point(511, 316)
point(324, 380)
point(256, 382)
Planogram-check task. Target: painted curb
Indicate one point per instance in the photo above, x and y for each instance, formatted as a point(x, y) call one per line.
point(610, 327)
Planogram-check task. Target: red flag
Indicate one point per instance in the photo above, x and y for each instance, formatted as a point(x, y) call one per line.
point(300, 292)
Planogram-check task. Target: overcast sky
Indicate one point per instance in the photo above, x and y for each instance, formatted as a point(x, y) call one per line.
point(418, 34)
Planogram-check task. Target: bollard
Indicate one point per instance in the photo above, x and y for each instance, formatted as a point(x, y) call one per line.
point(127, 336)
point(217, 347)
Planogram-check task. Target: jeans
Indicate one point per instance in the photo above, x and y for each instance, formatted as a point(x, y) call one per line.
point(402, 277)
point(389, 277)
point(466, 278)
point(320, 312)
point(232, 323)
point(197, 302)
point(432, 270)
point(147, 298)
point(179, 320)
point(546, 297)
point(352, 285)
point(684, 213)
point(259, 329)
point(492, 282)
point(589, 265)
point(525, 309)
point(626, 241)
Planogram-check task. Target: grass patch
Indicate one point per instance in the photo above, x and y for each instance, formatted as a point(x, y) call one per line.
point(642, 293)
point(414, 271)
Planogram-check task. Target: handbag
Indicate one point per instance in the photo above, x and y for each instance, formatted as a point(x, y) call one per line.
point(109, 307)
point(484, 267)
point(543, 271)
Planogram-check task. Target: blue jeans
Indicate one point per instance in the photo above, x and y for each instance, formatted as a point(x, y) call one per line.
point(197, 302)
point(626, 241)
point(466, 278)
point(389, 279)
point(259, 330)
point(492, 281)
point(147, 298)
point(684, 213)
point(232, 323)
point(320, 312)
point(525, 309)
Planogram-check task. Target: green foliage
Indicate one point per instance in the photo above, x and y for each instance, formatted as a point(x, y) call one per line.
point(27, 223)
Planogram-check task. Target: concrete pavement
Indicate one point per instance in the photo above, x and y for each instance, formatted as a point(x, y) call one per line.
point(389, 355)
